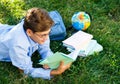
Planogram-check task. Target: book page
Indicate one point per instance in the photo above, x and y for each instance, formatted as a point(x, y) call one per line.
point(74, 54)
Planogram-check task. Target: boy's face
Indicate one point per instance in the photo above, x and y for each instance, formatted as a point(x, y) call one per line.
point(38, 37)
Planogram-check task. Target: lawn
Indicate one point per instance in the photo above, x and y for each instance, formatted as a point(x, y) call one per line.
point(100, 68)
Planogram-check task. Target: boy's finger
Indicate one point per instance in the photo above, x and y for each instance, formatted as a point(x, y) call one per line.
point(61, 63)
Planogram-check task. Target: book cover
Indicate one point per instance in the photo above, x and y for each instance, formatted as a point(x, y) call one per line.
point(54, 61)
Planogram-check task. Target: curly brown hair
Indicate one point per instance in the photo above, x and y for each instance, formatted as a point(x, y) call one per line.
point(38, 20)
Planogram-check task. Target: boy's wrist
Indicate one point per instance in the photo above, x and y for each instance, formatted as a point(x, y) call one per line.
point(55, 72)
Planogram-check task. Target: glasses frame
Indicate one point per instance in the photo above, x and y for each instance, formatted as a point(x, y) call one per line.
point(42, 35)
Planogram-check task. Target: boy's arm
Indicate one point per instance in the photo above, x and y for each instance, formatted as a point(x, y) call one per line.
point(60, 69)
point(20, 59)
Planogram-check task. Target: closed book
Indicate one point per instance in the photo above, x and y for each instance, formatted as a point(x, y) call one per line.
point(78, 40)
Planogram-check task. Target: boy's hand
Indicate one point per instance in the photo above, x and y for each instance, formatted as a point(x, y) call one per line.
point(60, 69)
point(45, 66)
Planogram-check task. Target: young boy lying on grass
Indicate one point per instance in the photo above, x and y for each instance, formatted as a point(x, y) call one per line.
point(18, 43)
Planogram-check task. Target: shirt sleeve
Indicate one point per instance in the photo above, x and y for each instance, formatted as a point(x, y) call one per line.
point(20, 59)
point(45, 50)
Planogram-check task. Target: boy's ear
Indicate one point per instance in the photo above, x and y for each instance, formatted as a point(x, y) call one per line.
point(29, 32)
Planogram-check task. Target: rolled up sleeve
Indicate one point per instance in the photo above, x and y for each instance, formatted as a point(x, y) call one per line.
point(20, 59)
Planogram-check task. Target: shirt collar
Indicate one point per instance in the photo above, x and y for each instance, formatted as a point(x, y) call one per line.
point(33, 43)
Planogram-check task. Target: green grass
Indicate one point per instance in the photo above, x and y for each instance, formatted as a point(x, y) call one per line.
point(100, 68)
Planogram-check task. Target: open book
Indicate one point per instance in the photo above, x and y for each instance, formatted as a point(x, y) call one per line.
point(54, 61)
point(78, 40)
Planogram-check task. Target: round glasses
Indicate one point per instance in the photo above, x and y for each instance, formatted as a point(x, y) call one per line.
point(42, 35)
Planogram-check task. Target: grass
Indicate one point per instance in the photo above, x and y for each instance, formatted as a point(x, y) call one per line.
point(100, 68)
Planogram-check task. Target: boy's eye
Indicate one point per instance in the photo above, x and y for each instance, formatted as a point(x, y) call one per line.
point(42, 35)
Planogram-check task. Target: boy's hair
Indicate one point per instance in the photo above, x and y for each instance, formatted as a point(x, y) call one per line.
point(38, 20)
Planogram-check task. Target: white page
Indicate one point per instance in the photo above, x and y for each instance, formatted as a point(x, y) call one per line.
point(74, 54)
point(78, 40)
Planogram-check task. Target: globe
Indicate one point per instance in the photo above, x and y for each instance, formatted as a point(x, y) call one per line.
point(81, 21)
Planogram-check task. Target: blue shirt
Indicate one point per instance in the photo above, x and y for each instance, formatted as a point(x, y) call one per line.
point(17, 47)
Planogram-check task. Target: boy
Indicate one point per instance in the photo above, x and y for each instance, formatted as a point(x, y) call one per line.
point(19, 42)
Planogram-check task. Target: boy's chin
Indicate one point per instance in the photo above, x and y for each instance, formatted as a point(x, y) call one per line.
point(42, 42)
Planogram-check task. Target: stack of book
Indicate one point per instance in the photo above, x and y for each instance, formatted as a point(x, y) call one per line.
point(82, 42)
